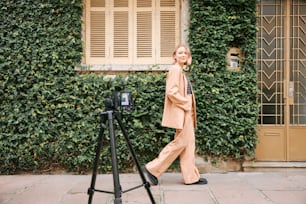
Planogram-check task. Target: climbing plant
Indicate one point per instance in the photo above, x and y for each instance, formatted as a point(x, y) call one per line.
point(227, 105)
point(50, 114)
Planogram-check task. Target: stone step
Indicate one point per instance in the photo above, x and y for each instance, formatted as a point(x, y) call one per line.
point(260, 166)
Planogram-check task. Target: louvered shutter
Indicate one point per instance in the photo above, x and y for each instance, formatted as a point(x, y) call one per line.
point(143, 28)
point(97, 34)
point(96, 26)
point(169, 30)
point(121, 32)
point(127, 32)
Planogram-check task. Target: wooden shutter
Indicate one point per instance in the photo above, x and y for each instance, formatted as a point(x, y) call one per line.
point(143, 29)
point(95, 32)
point(121, 33)
point(97, 3)
point(144, 34)
point(167, 33)
point(127, 32)
point(169, 30)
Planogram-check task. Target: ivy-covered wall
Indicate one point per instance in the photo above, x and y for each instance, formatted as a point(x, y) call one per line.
point(49, 113)
point(226, 99)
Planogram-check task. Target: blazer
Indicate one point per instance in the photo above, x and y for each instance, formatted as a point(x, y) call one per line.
point(176, 103)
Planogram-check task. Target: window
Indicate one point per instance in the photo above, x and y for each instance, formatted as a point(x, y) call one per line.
point(120, 34)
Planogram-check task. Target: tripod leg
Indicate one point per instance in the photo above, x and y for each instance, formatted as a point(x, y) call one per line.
point(145, 182)
point(117, 187)
point(91, 190)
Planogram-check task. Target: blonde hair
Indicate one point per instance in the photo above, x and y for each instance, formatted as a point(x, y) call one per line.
point(188, 52)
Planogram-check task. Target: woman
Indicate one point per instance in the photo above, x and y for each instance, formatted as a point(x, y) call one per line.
point(179, 113)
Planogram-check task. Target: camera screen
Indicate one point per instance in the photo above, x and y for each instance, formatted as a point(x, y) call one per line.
point(125, 101)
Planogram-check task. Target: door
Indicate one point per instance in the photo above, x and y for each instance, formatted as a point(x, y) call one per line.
point(281, 64)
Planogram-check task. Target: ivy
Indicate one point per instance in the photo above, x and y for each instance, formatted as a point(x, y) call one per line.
point(227, 105)
point(50, 114)
point(40, 45)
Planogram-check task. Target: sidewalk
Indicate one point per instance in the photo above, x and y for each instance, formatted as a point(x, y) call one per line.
point(228, 188)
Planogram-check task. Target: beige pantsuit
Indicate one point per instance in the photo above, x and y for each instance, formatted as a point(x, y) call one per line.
point(179, 113)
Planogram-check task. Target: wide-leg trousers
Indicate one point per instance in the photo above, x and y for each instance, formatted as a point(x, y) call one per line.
point(183, 146)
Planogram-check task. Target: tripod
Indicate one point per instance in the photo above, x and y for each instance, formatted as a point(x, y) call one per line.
point(109, 116)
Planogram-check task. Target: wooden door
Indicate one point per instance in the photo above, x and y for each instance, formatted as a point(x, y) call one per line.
point(281, 64)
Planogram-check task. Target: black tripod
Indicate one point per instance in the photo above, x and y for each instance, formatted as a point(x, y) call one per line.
point(109, 115)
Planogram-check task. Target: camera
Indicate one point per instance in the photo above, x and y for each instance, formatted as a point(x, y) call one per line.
point(119, 99)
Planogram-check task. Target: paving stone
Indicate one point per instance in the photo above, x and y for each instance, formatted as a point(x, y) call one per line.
point(222, 188)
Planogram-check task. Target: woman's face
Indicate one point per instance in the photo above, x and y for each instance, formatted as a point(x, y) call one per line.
point(181, 56)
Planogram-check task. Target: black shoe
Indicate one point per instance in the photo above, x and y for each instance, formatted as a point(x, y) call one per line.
point(151, 177)
point(201, 181)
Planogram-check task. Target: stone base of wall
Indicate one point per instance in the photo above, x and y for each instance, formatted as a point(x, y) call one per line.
point(212, 166)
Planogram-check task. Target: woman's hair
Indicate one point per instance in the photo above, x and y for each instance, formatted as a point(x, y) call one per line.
point(188, 52)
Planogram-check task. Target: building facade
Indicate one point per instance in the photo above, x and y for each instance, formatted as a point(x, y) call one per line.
point(127, 35)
